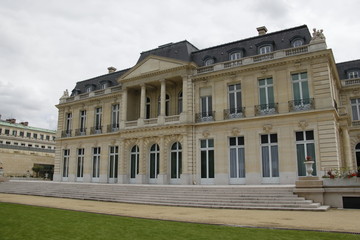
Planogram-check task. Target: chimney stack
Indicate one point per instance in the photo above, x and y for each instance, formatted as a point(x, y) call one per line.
point(111, 69)
point(11, 120)
point(25, 124)
point(262, 30)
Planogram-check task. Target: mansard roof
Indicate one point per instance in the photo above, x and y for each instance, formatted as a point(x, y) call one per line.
point(344, 67)
point(187, 52)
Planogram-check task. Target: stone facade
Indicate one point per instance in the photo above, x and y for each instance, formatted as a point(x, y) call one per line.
point(248, 120)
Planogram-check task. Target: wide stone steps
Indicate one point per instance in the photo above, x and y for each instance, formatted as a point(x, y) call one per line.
point(236, 197)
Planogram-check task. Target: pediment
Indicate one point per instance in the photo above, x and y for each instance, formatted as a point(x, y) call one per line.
point(152, 64)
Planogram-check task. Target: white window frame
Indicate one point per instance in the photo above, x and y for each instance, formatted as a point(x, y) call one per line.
point(355, 108)
point(269, 144)
point(237, 109)
point(265, 49)
point(353, 74)
point(235, 55)
point(136, 154)
point(237, 179)
point(115, 117)
point(80, 164)
point(96, 156)
point(207, 179)
point(66, 163)
point(113, 163)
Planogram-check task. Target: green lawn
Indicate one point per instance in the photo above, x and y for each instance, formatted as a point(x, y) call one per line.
point(20, 222)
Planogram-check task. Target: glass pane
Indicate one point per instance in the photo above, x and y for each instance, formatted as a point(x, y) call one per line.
point(203, 164)
point(232, 141)
point(271, 95)
point(262, 96)
point(233, 163)
point(262, 82)
point(309, 135)
point(238, 100)
point(209, 104)
point(299, 136)
point(305, 90)
point(273, 138)
point(232, 100)
point(203, 143)
point(211, 164)
point(303, 75)
point(269, 81)
point(240, 140)
point(274, 161)
point(354, 112)
point(211, 142)
point(152, 165)
point(111, 167)
point(241, 160)
point(264, 139)
point(296, 88)
point(180, 163)
point(300, 150)
point(132, 166)
point(173, 165)
point(265, 161)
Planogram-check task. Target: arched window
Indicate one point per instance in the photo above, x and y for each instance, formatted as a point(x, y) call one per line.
point(180, 102)
point(265, 49)
point(176, 160)
point(235, 55)
point(209, 61)
point(297, 43)
point(154, 161)
point(134, 161)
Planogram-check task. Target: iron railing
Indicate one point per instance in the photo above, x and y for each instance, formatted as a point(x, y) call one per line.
point(205, 116)
point(301, 105)
point(266, 109)
point(232, 113)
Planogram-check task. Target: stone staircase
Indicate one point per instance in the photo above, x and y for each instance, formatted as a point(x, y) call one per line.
point(234, 197)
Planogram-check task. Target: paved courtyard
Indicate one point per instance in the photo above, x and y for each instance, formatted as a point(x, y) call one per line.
point(339, 220)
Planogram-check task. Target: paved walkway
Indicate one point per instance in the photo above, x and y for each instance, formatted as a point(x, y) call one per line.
point(332, 220)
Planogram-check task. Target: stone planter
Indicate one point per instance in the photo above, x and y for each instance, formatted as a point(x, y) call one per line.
point(309, 168)
point(343, 182)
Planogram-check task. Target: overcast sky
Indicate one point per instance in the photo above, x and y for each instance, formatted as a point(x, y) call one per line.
point(46, 46)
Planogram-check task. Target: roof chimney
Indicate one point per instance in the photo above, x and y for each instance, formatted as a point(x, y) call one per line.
point(11, 120)
point(111, 69)
point(25, 124)
point(262, 30)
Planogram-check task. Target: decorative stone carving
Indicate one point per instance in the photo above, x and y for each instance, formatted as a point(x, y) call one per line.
point(303, 125)
point(267, 128)
point(318, 35)
point(235, 131)
point(206, 133)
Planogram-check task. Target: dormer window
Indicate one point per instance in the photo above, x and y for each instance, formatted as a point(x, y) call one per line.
point(297, 43)
point(235, 55)
point(353, 74)
point(265, 49)
point(104, 85)
point(88, 89)
point(209, 61)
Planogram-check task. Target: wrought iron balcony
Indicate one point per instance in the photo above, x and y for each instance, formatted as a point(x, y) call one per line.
point(96, 130)
point(301, 105)
point(66, 133)
point(232, 113)
point(113, 127)
point(205, 116)
point(80, 132)
point(266, 109)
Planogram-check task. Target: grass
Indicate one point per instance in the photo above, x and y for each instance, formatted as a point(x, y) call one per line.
point(30, 222)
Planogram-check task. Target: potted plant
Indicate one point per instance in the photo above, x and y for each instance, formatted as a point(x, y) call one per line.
point(308, 166)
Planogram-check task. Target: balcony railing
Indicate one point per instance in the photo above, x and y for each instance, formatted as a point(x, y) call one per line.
point(205, 116)
point(96, 130)
point(80, 132)
point(113, 127)
point(150, 121)
point(266, 109)
point(301, 105)
point(66, 133)
point(350, 82)
point(356, 123)
point(174, 118)
point(232, 113)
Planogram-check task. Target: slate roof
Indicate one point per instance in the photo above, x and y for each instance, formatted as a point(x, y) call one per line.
point(21, 126)
point(344, 67)
point(185, 51)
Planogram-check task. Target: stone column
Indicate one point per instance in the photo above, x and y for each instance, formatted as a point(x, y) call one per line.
point(163, 176)
point(347, 147)
point(185, 100)
point(142, 176)
point(123, 170)
point(161, 117)
point(123, 109)
point(142, 101)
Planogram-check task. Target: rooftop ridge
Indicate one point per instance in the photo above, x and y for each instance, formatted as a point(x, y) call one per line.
point(169, 44)
point(251, 38)
point(19, 125)
point(107, 74)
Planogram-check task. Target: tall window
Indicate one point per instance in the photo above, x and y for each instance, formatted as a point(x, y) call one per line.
point(96, 162)
point(266, 93)
point(355, 109)
point(234, 93)
point(113, 161)
point(180, 102)
point(207, 158)
point(82, 122)
point(98, 116)
point(300, 89)
point(357, 153)
point(134, 162)
point(237, 157)
point(206, 108)
point(269, 155)
point(265, 49)
point(147, 106)
point(305, 146)
point(176, 160)
point(154, 161)
point(80, 163)
point(68, 123)
point(66, 159)
point(115, 120)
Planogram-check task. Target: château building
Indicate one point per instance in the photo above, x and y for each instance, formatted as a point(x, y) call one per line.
point(245, 112)
point(23, 147)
